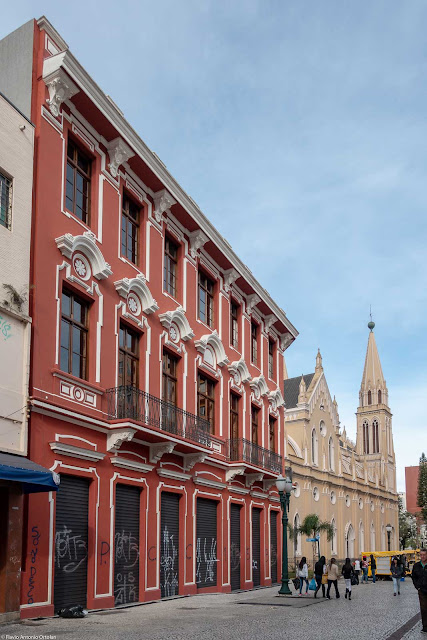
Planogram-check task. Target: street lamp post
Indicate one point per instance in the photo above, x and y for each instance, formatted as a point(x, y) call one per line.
point(389, 530)
point(284, 487)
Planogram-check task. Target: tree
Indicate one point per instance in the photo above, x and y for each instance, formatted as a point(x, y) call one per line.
point(422, 487)
point(312, 527)
point(407, 528)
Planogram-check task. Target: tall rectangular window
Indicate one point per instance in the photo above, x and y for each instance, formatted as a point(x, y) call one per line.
point(130, 230)
point(170, 267)
point(271, 359)
point(254, 424)
point(234, 416)
point(206, 399)
point(128, 357)
point(206, 294)
point(272, 433)
point(77, 191)
point(254, 343)
point(74, 333)
point(234, 326)
point(5, 201)
point(170, 367)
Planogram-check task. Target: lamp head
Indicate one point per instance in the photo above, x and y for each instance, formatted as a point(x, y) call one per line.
point(389, 528)
point(284, 485)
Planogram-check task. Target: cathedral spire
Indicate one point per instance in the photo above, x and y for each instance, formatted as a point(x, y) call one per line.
point(373, 389)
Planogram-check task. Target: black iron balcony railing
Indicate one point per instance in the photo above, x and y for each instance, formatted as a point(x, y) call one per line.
point(127, 402)
point(242, 450)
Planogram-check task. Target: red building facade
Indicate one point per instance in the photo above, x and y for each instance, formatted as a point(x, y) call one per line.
point(156, 369)
point(411, 485)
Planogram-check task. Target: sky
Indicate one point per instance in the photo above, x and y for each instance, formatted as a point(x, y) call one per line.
point(299, 127)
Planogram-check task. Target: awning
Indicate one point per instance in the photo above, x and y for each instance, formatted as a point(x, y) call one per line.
point(33, 477)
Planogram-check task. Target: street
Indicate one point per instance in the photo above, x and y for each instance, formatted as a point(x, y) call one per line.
point(373, 613)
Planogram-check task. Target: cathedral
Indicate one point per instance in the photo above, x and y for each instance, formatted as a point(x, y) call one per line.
point(351, 485)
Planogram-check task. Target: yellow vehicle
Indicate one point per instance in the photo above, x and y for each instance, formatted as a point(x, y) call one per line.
point(384, 558)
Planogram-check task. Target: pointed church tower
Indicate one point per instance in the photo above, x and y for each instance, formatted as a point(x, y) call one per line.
point(374, 431)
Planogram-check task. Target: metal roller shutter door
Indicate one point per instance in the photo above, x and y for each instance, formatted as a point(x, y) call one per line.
point(71, 542)
point(235, 546)
point(206, 543)
point(256, 547)
point(169, 545)
point(273, 545)
point(126, 545)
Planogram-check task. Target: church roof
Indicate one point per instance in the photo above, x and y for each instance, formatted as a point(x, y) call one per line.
point(291, 389)
point(372, 371)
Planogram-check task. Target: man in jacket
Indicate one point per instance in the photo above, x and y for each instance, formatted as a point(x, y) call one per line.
point(419, 578)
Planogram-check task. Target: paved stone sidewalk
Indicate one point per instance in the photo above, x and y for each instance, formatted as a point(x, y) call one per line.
point(373, 614)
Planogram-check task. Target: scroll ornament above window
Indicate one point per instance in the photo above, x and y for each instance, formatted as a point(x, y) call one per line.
point(177, 325)
point(86, 245)
point(214, 341)
point(162, 202)
point(60, 87)
point(137, 294)
point(119, 152)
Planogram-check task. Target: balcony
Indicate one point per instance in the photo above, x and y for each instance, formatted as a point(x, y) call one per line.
point(242, 450)
point(130, 403)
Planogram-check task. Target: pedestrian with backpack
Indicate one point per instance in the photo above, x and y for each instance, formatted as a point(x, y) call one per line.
point(348, 573)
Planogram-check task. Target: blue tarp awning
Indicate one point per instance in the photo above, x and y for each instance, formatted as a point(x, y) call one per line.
point(32, 476)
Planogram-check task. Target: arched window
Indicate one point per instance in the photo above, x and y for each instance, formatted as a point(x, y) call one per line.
point(365, 429)
point(361, 538)
point(331, 454)
point(314, 447)
point(369, 397)
point(380, 397)
point(372, 536)
point(297, 537)
point(334, 537)
point(375, 437)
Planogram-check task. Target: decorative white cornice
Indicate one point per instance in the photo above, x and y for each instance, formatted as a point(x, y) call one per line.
point(116, 438)
point(171, 474)
point(251, 302)
point(258, 494)
point(159, 449)
point(197, 240)
point(213, 340)
point(267, 484)
point(239, 370)
point(86, 244)
point(76, 452)
point(119, 153)
point(230, 474)
point(240, 490)
point(162, 202)
point(206, 482)
point(125, 463)
point(230, 277)
point(275, 398)
point(251, 478)
point(269, 321)
point(259, 386)
point(285, 340)
point(60, 88)
point(191, 459)
point(177, 317)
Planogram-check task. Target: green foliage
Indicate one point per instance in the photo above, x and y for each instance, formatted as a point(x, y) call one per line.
point(312, 526)
point(407, 528)
point(422, 487)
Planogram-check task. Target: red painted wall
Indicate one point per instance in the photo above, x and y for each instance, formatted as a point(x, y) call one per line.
point(411, 482)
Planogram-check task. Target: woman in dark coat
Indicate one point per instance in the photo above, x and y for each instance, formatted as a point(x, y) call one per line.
point(319, 572)
point(396, 574)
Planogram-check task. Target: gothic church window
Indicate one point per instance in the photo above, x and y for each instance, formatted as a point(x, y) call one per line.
point(314, 448)
point(365, 429)
point(375, 437)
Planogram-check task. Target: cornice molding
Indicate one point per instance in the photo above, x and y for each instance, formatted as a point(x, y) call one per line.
point(163, 201)
point(119, 152)
point(61, 88)
point(76, 452)
point(205, 482)
point(125, 463)
point(173, 475)
point(116, 438)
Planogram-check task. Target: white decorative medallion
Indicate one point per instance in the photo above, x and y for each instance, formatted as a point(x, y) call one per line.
point(174, 333)
point(134, 304)
point(81, 266)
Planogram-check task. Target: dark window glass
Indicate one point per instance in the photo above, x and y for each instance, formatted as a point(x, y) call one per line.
point(130, 230)
point(271, 359)
point(77, 187)
point(170, 366)
point(365, 429)
point(170, 267)
point(234, 416)
point(369, 397)
point(206, 292)
point(234, 326)
point(5, 201)
point(375, 437)
point(73, 356)
point(254, 343)
point(379, 397)
point(206, 399)
point(254, 424)
point(128, 357)
point(272, 434)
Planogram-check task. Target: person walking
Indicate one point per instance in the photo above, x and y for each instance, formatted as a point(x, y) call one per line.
point(396, 574)
point(419, 579)
point(332, 578)
point(357, 569)
point(373, 568)
point(303, 575)
point(365, 570)
point(348, 572)
point(320, 575)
